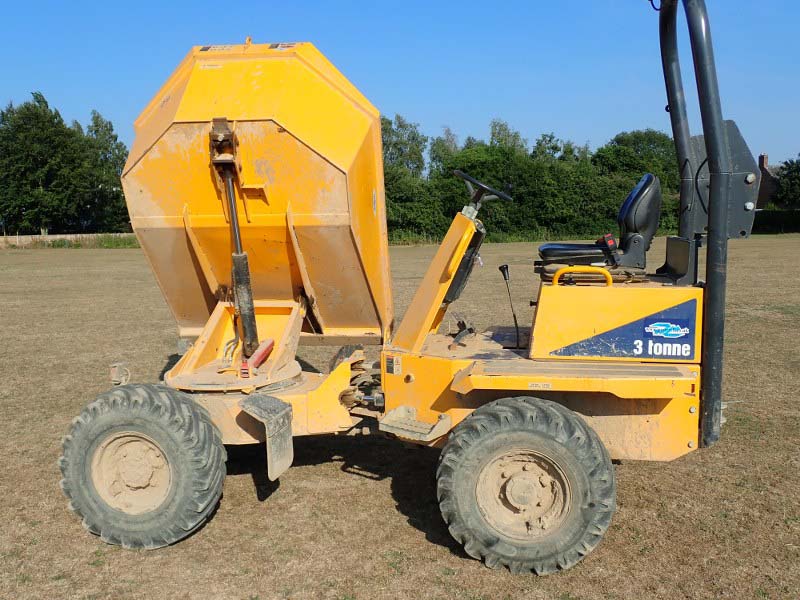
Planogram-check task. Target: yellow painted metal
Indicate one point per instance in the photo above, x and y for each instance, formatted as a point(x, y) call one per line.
point(654, 429)
point(205, 368)
point(426, 311)
point(641, 412)
point(623, 380)
point(566, 314)
point(309, 185)
point(315, 408)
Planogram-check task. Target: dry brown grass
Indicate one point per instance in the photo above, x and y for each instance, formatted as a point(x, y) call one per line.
point(357, 518)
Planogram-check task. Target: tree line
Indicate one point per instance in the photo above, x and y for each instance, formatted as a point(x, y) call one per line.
point(59, 178)
point(63, 178)
point(560, 189)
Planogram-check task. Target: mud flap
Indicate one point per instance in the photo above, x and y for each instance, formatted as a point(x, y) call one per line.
point(277, 418)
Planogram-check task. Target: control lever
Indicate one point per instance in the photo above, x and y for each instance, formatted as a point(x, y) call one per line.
point(464, 329)
point(506, 277)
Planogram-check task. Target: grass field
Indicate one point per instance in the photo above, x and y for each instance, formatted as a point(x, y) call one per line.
point(357, 518)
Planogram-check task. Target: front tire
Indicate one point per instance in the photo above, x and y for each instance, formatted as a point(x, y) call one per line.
point(525, 483)
point(143, 466)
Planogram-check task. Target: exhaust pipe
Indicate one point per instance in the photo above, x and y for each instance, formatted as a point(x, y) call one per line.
point(222, 157)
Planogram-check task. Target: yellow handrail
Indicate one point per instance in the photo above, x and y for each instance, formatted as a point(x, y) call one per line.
point(585, 269)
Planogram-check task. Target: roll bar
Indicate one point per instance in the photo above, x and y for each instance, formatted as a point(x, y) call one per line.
point(720, 170)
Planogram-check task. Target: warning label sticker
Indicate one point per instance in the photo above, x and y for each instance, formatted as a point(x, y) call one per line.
point(394, 365)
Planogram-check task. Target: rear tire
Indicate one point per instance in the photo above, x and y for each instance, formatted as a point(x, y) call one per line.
point(525, 483)
point(143, 466)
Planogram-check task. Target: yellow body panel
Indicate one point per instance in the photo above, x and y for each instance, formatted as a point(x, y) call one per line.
point(309, 188)
point(576, 322)
point(640, 412)
point(315, 408)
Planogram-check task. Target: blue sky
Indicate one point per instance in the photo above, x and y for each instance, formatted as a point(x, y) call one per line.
point(584, 69)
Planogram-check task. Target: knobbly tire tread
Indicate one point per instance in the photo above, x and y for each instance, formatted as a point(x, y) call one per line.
point(201, 461)
point(547, 419)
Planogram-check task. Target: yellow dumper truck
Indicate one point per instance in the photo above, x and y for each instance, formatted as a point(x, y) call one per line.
point(255, 188)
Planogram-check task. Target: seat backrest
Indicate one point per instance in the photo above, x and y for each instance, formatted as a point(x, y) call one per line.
point(640, 212)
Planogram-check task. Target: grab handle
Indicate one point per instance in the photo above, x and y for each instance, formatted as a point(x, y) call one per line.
point(587, 269)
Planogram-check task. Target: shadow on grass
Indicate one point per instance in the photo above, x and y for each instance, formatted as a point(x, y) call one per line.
point(252, 460)
point(411, 470)
point(171, 361)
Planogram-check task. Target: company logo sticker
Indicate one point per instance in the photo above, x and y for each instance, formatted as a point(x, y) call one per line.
point(667, 330)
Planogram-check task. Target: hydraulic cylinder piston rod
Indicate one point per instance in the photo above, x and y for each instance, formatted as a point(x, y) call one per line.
point(223, 147)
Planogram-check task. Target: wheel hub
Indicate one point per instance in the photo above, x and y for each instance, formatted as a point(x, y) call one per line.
point(523, 494)
point(130, 473)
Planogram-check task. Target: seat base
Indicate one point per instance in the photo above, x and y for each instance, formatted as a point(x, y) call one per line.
point(547, 270)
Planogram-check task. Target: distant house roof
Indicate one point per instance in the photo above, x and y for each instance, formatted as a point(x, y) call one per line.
point(769, 180)
point(766, 168)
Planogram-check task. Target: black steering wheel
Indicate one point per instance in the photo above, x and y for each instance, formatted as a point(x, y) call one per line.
point(480, 192)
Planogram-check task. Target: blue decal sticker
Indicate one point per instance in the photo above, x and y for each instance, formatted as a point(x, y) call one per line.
point(666, 334)
point(667, 330)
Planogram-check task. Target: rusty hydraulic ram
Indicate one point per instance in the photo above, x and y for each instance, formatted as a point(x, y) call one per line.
point(223, 148)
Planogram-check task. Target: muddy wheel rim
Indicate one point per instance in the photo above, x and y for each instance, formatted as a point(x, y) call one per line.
point(131, 473)
point(523, 494)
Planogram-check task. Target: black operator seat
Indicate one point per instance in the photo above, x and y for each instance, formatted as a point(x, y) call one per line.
point(638, 222)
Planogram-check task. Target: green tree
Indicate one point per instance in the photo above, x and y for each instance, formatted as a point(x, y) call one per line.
point(619, 160)
point(502, 135)
point(40, 166)
point(442, 149)
point(410, 209)
point(788, 193)
point(403, 145)
point(54, 177)
point(631, 154)
point(471, 142)
point(108, 211)
point(559, 188)
point(548, 147)
point(639, 152)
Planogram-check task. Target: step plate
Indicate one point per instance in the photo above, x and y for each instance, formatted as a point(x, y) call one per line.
point(402, 422)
